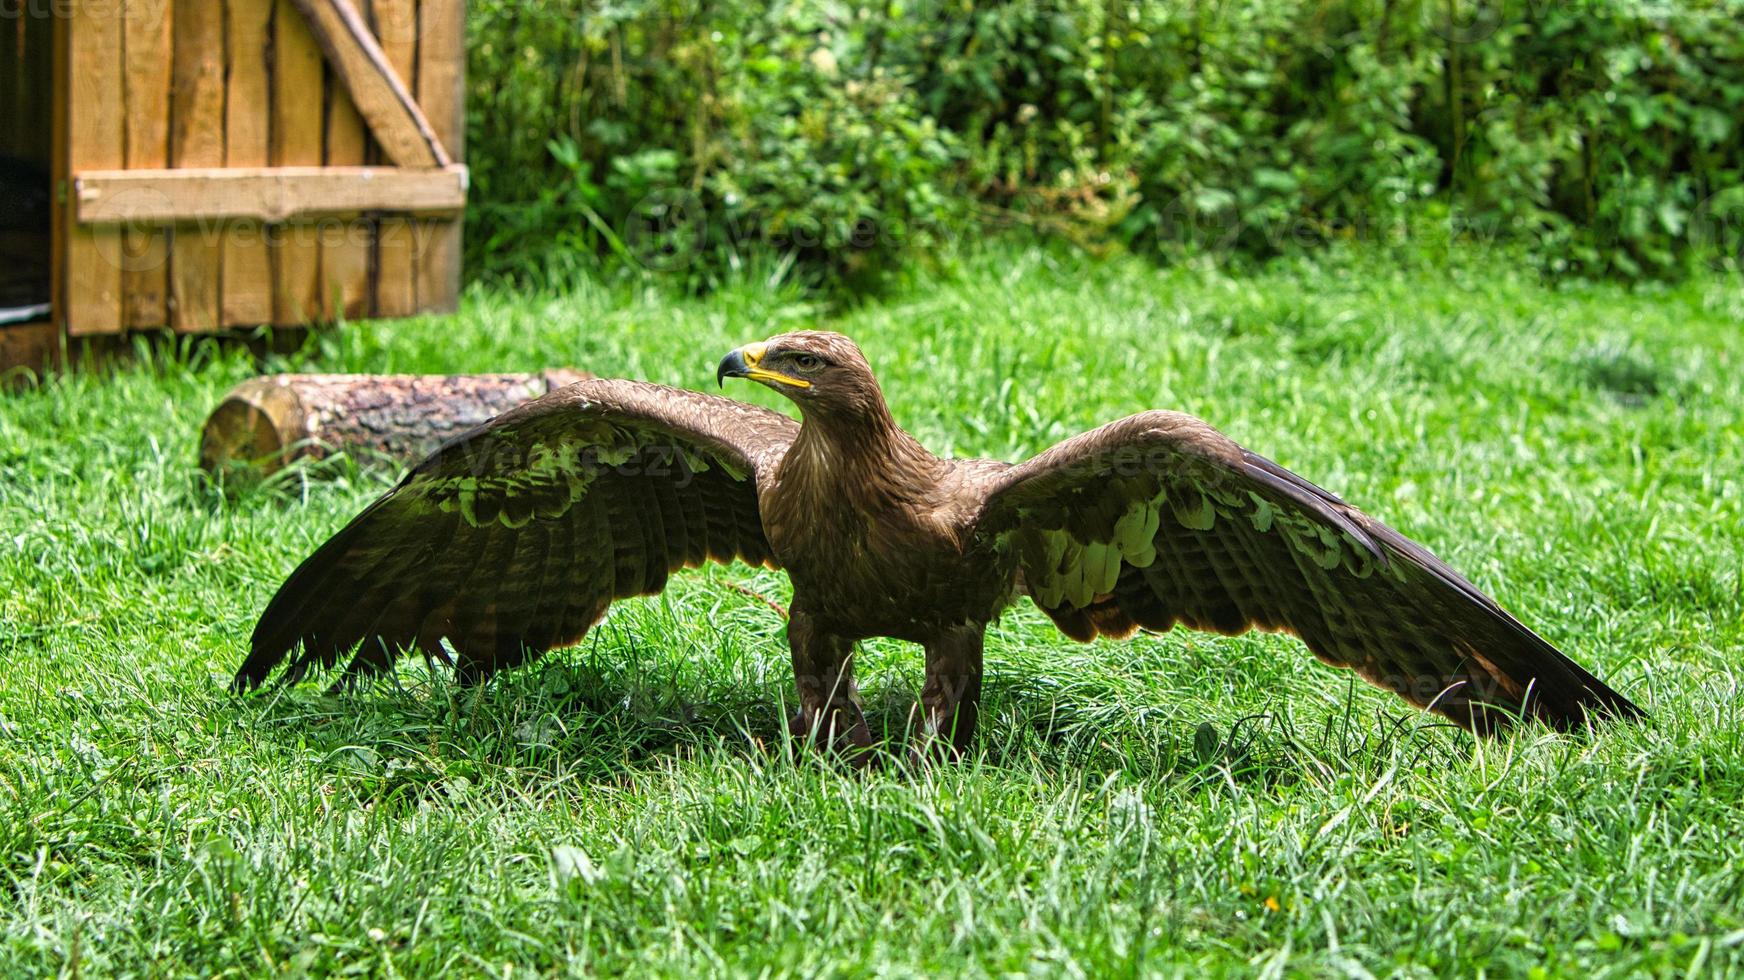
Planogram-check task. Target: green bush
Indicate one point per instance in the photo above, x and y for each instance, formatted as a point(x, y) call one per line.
point(685, 141)
point(1594, 136)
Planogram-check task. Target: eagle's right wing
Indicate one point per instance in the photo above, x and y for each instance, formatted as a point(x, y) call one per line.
point(1160, 519)
point(515, 537)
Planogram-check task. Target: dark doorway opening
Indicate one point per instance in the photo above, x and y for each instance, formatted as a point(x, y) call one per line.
point(26, 154)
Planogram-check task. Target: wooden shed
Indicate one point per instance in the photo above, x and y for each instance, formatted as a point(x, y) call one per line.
point(204, 164)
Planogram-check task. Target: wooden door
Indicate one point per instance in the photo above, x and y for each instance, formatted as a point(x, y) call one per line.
point(239, 162)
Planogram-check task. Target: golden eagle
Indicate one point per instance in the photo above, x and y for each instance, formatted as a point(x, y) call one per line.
point(514, 538)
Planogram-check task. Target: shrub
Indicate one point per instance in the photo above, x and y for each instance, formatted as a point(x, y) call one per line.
point(679, 141)
point(1600, 136)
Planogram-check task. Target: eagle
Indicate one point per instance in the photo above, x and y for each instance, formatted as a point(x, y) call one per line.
point(515, 538)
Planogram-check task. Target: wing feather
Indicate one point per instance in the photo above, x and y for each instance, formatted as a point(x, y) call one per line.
point(1217, 538)
point(515, 537)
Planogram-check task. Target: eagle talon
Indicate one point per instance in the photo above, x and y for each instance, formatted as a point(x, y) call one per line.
point(845, 732)
point(926, 750)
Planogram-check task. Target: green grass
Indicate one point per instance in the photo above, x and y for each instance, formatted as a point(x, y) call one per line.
point(1176, 804)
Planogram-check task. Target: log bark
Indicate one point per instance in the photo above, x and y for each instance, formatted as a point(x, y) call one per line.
point(265, 423)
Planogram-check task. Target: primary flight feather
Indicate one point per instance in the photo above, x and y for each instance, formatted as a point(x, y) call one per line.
point(515, 538)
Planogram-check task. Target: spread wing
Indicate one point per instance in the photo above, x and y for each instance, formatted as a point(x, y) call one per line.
point(1160, 519)
point(514, 538)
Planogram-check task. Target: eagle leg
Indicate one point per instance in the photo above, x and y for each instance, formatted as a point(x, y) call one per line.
point(951, 697)
point(829, 703)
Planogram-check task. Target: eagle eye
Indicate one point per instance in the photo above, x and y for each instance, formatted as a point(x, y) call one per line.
point(807, 362)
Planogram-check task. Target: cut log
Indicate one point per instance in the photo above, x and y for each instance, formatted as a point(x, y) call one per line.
point(265, 423)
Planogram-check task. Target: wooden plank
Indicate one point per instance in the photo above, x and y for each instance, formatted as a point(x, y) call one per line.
point(441, 92)
point(296, 141)
point(396, 294)
point(27, 350)
point(395, 120)
point(247, 287)
point(145, 272)
point(345, 238)
point(197, 140)
point(30, 350)
point(275, 194)
point(95, 128)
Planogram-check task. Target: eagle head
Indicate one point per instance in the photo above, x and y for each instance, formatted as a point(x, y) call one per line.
point(823, 372)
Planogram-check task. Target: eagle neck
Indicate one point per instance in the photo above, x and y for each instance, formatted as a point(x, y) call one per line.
point(867, 459)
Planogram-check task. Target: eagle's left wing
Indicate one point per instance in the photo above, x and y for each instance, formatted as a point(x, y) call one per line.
point(1160, 519)
point(515, 537)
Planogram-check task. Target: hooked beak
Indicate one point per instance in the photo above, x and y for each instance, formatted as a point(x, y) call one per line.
point(733, 365)
point(744, 363)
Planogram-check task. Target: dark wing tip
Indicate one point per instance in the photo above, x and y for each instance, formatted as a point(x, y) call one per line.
point(275, 633)
point(281, 626)
point(1600, 703)
point(245, 681)
point(262, 659)
point(1558, 710)
point(1576, 698)
point(1578, 702)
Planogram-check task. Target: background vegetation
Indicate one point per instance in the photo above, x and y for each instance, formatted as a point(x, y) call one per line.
point(1599, 137)
point(630, 806)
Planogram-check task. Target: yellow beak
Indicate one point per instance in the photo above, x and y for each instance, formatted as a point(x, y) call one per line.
point(746, 363)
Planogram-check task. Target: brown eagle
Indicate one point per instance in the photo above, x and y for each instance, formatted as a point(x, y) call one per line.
point(514, 539)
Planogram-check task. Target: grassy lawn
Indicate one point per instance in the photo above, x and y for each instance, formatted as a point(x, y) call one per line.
point(1177, 803)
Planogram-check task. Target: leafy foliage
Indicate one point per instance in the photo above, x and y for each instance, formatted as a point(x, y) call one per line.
point(681, 138)
point(1603, 136)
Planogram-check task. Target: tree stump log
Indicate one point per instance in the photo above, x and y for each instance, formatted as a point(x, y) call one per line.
point(265, 423)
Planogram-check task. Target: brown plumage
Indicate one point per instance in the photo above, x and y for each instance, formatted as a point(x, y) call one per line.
point(515, 538)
